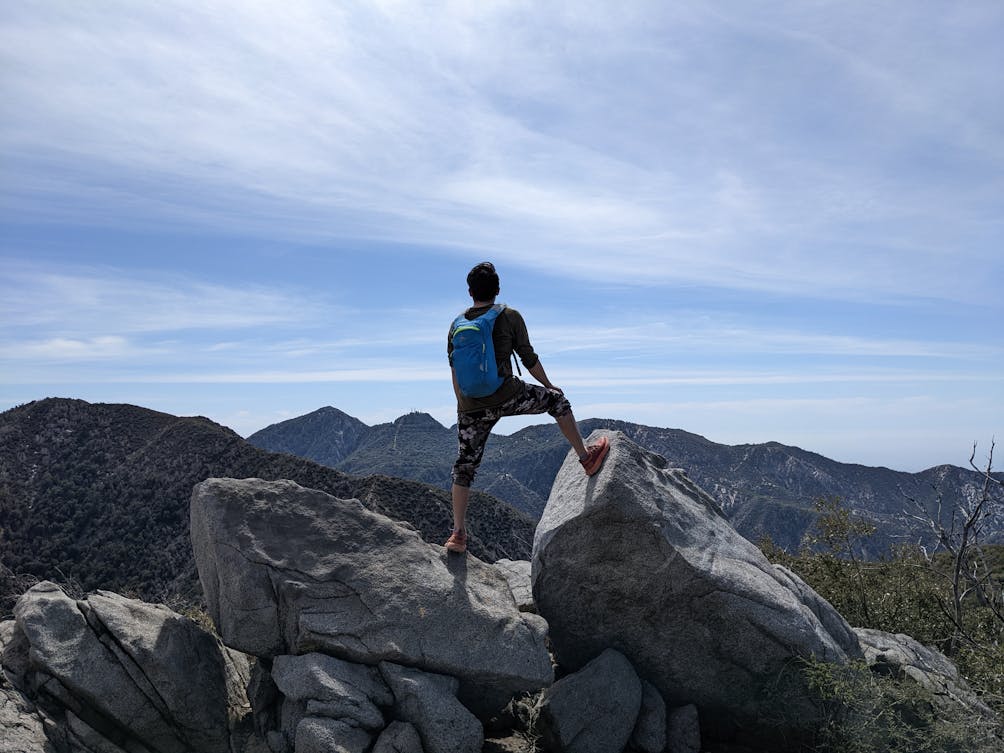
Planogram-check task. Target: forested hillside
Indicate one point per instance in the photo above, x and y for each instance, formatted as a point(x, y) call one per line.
point(99, 493)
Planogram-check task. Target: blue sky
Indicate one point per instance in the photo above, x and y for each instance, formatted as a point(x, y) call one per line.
point(753, 221)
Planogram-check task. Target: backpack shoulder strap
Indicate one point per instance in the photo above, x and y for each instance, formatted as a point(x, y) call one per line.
point(492, 314)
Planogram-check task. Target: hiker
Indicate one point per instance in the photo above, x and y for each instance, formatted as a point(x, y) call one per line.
point(487, 390)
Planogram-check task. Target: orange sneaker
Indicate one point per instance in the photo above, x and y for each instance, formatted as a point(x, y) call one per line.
point(595, 454)
point(457, 542)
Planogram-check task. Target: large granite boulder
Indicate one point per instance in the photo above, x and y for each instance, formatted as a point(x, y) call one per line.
point(289, 570)
point(114, 673)
point(638, 558)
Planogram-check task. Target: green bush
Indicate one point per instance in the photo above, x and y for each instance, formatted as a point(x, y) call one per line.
point(867, 712)
point(905, 592)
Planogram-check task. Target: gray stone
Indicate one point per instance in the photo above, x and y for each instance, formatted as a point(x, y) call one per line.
point(333, 688)
point(901, 656)
point(88, 738)
point(14, 648)
point(517, 574)
point(276, 741)
point(429, 702)
point(399, 737)
point(327, 678)
point(21, 727)
point(123, 665)
point(289, 570)
point(649, 735)
point(317, 735)
point(683, 730)
point(638, 557)
point(595, 709)
point(265, 700)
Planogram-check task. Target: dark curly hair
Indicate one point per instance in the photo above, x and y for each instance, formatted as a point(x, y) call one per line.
point(483, 282)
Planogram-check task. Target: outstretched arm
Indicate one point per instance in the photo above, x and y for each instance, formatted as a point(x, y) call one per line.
point(538, 373)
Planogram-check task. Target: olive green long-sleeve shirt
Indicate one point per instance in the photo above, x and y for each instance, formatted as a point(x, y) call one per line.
point(509, 335)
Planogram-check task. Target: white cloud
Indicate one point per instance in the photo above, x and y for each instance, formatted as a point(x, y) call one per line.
point(396, 372)
point(656, 333)
point(606, 141)
point(64, 349)
point(87, 300)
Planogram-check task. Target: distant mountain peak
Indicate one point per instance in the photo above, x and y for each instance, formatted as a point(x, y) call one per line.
point(330, 410)
point(418, 419)
point(327, 436)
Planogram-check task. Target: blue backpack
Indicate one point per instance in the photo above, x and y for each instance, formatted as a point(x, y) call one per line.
point(474, 353)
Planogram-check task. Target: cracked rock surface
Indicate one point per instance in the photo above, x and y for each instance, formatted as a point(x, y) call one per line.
point(115, 673)
point(638, 557)
point(290, 570)
point(517, 573)
point(429, 702)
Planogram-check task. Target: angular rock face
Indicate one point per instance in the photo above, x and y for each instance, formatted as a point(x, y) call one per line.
point(322, 695)
point(429, 702)
point(640, 559)
point(289, 570)
point(595, 709)
point(399, 737)
point(517, 573)
point(649, 735)
point(683, 730)
point(21, 728)
point(117, 673)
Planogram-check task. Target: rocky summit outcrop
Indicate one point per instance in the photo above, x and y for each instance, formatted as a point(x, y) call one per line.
point(289, 570)
point(112, 674)
point(343, 631)
point(638, 558)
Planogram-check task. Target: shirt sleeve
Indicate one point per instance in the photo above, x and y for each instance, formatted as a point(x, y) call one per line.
point(521, 339)
point(449, 346)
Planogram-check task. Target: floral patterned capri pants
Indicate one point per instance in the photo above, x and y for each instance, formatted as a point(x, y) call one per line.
point(474, 427)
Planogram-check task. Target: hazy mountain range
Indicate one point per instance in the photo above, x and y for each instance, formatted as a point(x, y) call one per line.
point(765, 489)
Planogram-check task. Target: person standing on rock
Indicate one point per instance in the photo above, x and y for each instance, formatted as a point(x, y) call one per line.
point(480, 348)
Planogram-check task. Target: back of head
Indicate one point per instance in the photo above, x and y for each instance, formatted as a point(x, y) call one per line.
point(483, 282)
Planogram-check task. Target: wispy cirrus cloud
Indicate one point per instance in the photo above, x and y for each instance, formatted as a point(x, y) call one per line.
point(85, 303)
point(508, 127)
point(70, 349)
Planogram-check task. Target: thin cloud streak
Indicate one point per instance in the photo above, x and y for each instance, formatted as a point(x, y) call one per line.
point(408, 373)
point(84, 300)
point(704, 338)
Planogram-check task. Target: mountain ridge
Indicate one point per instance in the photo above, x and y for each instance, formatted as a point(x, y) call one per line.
point(766, 489)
